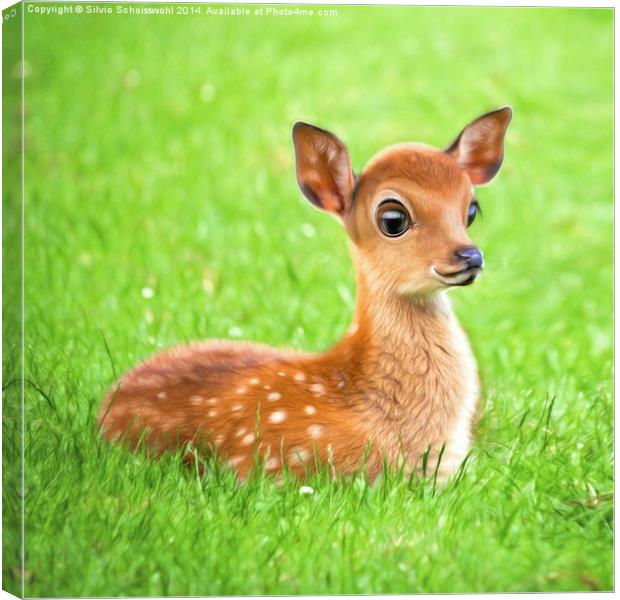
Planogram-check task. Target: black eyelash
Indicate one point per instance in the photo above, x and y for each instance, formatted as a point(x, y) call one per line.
point(477, 212)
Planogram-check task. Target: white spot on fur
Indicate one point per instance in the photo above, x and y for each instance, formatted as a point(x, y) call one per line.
point(237, 407)
point(273, 396)
point(309, 410)
point(162, 395)
point(298, 454)
point(212, 401)
point(212, 413)
point(241, 431)
point(196, 399)
point(299, 376)
point(315, 431)
point(272, 464)
point(150, 380)
point(254, 381)
point(353, 329)
point(248, 439)
point(306, 490)
point(219, 439)
point(266, 387)
point(281, 373)
point(233, 461)
point(278, 416)
point(318, 389)
point(242, 389)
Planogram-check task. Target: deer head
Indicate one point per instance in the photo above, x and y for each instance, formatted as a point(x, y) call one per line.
point(408, 212)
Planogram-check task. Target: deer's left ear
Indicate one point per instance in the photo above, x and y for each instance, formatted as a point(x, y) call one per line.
point(479, 148)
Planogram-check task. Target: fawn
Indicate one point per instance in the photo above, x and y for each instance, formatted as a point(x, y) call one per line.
point(401, 384)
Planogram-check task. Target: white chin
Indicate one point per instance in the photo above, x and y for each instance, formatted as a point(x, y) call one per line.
point(462, 278)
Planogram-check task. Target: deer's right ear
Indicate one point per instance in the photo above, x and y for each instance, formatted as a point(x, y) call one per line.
point(323, 168)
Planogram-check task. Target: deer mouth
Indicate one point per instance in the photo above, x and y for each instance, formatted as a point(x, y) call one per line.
point(460, 278)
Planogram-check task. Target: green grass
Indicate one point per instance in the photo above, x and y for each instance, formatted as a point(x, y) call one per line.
point(159, 155)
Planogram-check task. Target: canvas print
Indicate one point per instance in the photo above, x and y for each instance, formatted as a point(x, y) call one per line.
point(306, 299)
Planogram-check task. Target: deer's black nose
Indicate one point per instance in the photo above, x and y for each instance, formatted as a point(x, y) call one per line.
point(471, 256)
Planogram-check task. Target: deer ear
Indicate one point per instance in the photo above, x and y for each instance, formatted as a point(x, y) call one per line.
point(323, 168)
point(479, 148)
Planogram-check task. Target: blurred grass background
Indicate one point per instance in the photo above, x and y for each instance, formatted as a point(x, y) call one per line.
point(161, 206)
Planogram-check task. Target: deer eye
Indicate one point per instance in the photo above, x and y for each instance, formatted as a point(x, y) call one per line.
point(472, 212)
point(392, 218)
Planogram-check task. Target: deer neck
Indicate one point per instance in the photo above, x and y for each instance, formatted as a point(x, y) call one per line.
point(415, 374)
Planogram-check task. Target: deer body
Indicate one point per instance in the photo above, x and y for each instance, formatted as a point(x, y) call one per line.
point(401, 382)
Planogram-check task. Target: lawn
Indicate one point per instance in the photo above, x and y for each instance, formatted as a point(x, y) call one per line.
point(161, 206)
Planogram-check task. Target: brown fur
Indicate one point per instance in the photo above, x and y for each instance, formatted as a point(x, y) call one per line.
point(403, 379)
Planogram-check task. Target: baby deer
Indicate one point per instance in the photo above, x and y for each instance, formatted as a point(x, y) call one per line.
point(401, 385)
